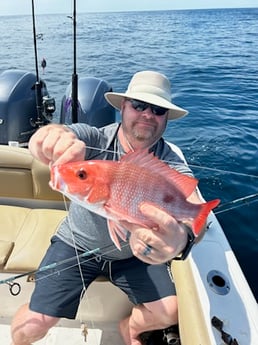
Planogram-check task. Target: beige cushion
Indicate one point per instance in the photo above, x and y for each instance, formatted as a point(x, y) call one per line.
point(30, 230)
point(22, 176)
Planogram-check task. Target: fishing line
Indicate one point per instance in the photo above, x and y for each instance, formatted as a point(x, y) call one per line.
point(221, 208)
point(76, 252)
point(87, 253)
point(176, 162)
point(222, 171)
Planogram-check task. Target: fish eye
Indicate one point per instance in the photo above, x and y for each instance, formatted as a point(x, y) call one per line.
point(81, 174)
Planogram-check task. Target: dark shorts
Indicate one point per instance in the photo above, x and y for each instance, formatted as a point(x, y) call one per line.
point(57, 291)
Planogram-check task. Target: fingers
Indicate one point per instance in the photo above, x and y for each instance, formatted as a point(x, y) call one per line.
point(166, 239)
point(164, 221)
point(68, 149)
point(56, 144)
point(152, 247)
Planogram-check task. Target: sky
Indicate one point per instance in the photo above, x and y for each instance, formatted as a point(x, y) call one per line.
point(13, 7)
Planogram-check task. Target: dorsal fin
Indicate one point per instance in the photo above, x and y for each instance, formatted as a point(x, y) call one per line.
point(144, 159)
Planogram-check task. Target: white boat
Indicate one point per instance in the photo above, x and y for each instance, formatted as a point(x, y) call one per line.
point(216, 305)
point(210, 284)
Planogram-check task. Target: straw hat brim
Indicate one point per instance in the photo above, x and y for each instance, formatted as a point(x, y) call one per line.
point(175, 112)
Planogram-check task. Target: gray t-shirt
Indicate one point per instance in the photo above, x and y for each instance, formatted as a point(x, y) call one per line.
point(87, 229)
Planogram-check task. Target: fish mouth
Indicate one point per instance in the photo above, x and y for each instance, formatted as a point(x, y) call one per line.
point(56, 182)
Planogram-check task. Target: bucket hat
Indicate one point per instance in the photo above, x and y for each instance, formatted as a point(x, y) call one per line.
point(150, 87)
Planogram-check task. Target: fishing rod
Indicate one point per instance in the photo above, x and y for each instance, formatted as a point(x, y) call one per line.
point(231, 205)
point(45, 106)
point(38, 88)
point(74, 76)
point(15, 288)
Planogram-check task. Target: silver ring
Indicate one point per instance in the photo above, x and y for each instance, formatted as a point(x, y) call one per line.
point(147, 250)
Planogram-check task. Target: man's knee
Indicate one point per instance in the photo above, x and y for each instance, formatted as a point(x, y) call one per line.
point(165, 310)
point(170, 310)
point(30, 326)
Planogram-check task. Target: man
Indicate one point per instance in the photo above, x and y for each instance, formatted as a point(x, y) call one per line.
point(145, 109)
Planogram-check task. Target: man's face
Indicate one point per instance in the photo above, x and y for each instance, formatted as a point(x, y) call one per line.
point(142, 126)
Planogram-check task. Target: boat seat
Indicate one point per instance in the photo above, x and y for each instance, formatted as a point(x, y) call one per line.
point(24, 180)
point(25, 235)
point(30, 211)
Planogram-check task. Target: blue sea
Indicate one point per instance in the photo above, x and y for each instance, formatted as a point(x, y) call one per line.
point(211, 58)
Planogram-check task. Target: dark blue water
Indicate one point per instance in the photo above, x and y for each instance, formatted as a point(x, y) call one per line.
point(211, 58)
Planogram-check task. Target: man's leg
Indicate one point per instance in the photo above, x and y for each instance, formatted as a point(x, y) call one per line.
point(29, 326)
point(149, 316)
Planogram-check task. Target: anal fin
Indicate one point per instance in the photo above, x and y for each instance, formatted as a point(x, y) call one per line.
point(115, 230)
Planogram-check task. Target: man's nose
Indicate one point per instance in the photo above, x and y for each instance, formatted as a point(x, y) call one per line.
point(148, 111)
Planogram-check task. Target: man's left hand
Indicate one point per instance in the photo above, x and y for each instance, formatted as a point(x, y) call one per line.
point(161, 243)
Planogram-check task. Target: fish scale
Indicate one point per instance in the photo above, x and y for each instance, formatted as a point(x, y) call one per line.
point(126, 190)
point(130, 187)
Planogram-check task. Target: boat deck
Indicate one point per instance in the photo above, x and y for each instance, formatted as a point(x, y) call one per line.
point(98, 311)
point(72, 335)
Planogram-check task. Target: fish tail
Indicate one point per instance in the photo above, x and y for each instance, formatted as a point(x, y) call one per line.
point(200, 220)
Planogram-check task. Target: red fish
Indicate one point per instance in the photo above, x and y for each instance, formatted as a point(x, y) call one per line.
point(116, 190)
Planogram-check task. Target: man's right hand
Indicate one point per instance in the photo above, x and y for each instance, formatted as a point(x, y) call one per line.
point(56, 144)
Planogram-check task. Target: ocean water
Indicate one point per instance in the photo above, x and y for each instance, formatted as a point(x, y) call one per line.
point(211, 58)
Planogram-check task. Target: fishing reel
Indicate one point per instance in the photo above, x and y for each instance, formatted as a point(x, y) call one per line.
point(48, 107)
point(46, 110)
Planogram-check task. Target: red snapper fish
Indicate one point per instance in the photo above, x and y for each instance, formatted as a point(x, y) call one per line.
point(117, 189)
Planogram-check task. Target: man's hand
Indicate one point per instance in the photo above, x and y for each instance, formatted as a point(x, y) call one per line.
point(56, 144)
point(160, 244)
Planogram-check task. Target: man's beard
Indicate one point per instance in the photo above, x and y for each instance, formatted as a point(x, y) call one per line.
point(143, 135)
